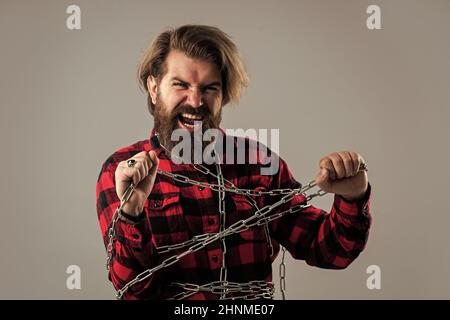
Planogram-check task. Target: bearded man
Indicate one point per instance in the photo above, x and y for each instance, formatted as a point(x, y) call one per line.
point(211, 230)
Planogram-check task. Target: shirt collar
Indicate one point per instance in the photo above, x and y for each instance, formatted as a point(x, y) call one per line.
point(149, 147)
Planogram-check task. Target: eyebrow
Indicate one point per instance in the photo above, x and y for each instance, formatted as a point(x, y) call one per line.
point(214, 83)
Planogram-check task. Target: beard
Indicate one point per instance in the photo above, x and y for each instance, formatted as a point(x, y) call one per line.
point(165, 123)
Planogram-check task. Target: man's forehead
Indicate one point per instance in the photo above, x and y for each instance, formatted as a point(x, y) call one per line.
point(181, 67)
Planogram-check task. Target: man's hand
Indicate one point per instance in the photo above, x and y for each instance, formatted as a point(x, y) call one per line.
point(339, 173)
point(142, 174)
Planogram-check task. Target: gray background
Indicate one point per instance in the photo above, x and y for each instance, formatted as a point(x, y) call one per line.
point(69, 99)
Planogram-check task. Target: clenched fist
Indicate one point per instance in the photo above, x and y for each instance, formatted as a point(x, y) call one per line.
point(142, 174)
point(340, 174)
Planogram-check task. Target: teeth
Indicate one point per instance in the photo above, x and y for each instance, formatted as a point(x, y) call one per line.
point(190, 126)
point(191, 116)
point(187, 125)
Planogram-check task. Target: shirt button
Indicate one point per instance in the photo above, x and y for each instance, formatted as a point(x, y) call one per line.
point(200, 188)
point(215, 259)
point(157, 204)
point(211, 221)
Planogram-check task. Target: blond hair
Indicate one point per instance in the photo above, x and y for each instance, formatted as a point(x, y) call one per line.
point(201, 42)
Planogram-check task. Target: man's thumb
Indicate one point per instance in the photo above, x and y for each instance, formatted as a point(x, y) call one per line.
point(322, 178)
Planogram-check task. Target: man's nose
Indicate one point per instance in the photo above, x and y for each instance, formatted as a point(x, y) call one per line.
point(195, 98)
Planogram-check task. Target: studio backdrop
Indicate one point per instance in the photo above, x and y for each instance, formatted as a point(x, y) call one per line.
point(369, 76)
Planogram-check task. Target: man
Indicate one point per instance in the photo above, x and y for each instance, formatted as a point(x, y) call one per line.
point(190, 74)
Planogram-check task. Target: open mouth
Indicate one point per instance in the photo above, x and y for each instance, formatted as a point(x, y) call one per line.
point(189, 121)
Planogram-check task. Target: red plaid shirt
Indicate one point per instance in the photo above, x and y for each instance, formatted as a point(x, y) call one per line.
point(175, 212)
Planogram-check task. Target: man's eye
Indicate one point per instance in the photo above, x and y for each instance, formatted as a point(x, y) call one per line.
point(180, 84)
point(211, 89)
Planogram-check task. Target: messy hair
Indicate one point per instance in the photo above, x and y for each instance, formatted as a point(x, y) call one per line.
point(200, 42)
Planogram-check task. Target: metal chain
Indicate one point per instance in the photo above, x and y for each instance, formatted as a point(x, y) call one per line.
point(257, 219)
point(243, 225)
point(282, 275)
point(112, 229)
point(222, 223)
point(252, 290)
point(233, 189)
point(198, 242)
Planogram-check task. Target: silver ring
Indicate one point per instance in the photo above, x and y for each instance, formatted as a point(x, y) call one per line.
point(131, 163)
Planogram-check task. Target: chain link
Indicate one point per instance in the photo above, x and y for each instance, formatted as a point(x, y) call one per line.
point(282, 275)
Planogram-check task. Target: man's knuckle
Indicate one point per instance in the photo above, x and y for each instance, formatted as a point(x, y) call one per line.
point(327, 161)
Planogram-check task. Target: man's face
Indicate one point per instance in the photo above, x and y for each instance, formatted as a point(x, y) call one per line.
point(189, 93)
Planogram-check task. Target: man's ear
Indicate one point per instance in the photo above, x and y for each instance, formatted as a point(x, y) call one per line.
point(152, 86)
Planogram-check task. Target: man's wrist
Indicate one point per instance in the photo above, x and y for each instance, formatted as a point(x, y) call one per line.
point(128, 218)
point(132, 210)
point(354, 198)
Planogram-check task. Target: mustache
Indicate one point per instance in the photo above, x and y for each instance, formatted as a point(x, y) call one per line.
point(202, 111)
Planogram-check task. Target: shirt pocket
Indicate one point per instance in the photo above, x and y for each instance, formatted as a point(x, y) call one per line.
point(243, 209)
point(166, 220)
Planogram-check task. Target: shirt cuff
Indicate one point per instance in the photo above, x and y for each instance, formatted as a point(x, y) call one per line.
point(135, 235)
point(131, 218)
point(354, 208)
